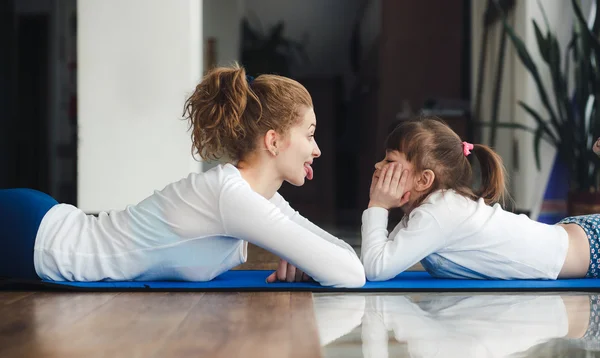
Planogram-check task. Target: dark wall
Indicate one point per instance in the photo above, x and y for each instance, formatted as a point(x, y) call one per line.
point(24, 98)
point(422, 53)
point(7, 82)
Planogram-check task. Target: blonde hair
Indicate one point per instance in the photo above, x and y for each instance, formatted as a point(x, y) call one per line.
point(227, 113)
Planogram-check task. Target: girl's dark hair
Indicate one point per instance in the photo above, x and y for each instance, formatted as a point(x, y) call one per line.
point(227, 113)
point(429, 143)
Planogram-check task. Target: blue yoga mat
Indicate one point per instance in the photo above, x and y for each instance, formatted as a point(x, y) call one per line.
point(413, 281)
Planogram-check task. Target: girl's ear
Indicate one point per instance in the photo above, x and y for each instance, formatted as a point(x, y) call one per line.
point(425, 180)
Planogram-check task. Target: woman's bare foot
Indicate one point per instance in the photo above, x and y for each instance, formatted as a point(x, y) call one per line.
point(596, 147)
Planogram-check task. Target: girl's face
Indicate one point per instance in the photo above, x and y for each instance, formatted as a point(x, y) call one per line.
point(394, 156)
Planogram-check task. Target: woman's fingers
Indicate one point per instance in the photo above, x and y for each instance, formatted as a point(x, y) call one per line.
point(299, 275)
point(282, 270)
point(288, 273)
point(291, 273)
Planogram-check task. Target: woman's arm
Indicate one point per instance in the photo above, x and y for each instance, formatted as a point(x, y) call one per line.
point(383, 256)
point(249, 216)
point(287, 210)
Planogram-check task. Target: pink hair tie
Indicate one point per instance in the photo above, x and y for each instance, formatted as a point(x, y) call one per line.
point(467, 147)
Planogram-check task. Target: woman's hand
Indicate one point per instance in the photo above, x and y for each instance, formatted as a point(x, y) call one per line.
point(388, 187)
point(596, 147)
point(288, 273)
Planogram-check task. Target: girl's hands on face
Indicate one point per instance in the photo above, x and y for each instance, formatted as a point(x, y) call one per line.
point(388, 187)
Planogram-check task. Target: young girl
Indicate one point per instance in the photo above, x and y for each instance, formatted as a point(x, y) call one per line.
point(454, 231)
point(198, 227)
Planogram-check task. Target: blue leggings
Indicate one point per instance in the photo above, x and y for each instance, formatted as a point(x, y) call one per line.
point(21, 212)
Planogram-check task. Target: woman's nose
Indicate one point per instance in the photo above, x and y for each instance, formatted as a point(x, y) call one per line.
point(316, 151)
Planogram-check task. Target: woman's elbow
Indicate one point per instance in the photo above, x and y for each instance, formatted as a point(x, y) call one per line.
point(354, 276)
point(358, 279)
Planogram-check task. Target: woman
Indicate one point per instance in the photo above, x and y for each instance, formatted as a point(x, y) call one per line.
point(198, 227)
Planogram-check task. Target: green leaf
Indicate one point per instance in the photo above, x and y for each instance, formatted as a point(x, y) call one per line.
point(536, 146)
point(568, 51)
point(504, 125)
point(540, 122)
point(596, 22)
point(543, 43)
point(591, 40)
point(510, 125)
point(559, 83)
point(532, 68)
point(544, 15)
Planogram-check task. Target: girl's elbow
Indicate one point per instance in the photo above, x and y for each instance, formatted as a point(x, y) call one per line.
point(373, 273)
point(375, 268)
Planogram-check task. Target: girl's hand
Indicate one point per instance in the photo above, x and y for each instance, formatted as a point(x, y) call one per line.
point(288, 273)
point(387, 187)
point(596, 147)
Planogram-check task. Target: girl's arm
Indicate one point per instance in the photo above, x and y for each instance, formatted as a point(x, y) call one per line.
point(248, 216)
point(383, 256)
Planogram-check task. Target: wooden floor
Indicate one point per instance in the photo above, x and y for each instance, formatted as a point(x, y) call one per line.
point(263, 324)
point(157, 324)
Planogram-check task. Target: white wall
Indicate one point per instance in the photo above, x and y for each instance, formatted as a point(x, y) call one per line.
point(138, 60)
point(527, 183)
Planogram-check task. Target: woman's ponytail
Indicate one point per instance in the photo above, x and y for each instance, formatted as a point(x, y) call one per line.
point(216, 112)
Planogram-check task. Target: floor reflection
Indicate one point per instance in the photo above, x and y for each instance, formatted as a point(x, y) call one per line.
point(453, 325)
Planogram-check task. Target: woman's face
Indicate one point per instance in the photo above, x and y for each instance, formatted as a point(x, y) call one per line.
point(295, 159)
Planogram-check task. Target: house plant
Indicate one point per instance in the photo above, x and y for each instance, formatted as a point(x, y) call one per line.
point(270, 52)
point(572, 123)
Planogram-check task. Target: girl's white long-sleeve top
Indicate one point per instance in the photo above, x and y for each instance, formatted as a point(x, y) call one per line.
point(456, 237)
point(192, 230)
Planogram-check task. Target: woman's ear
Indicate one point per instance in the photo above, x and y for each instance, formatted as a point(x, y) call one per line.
point(271, 142)
point(425, 180)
